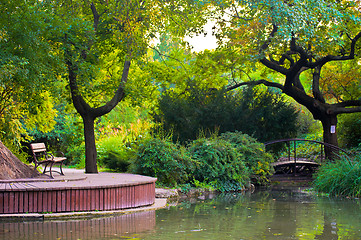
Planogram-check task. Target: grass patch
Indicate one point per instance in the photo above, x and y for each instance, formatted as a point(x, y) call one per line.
point(340, 178)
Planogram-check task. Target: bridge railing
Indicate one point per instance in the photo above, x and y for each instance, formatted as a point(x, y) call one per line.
point(320, 156)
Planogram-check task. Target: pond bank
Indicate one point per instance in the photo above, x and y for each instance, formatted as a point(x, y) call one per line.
point(280, 180)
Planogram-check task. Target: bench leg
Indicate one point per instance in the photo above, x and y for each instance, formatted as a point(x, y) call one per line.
point(61, 168)
point(50, 169)
point(50, 165)
point(45, 166)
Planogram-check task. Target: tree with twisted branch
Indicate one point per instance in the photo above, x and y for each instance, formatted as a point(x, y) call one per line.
point(296, 40)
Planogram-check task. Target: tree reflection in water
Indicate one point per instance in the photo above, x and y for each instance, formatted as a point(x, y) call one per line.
point(115, 227)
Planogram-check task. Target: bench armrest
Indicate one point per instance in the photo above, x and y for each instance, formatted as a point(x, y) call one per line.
point(61, 153)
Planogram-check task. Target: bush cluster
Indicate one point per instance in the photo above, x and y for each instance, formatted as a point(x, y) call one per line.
point(219, 164)
point(252, 154)
point(225, 163)
point(350, 130)
point(163, 159)
point(262, 114)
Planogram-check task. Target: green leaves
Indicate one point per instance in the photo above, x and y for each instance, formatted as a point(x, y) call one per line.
point(28, 65)
point(316, 24)
point(163, 159)
point(224, 163)
point(219, 163)
point(262, 114)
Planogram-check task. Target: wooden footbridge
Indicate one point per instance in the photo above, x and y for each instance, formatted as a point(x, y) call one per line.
point(302, 162)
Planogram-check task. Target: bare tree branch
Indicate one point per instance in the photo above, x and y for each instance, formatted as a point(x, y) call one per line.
point(316, 85)
point(349, 103)
point(254, 83)
point(344, 110)
point(330, 58)
point(274, 66)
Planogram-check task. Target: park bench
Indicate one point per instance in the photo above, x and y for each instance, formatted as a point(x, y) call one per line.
point(41, 156)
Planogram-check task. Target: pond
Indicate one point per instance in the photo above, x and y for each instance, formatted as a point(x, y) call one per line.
point(290, 213)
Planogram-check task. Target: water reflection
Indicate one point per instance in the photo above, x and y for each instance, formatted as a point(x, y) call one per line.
point(277, 214)
point(117, 227)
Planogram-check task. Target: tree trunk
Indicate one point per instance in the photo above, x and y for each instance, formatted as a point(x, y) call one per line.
point(329, 124)
point(11, 167)
point(90, 148)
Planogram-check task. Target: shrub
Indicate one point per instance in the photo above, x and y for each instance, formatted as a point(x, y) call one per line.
point(350, 130)
point(223, 163)
point(253, 154)
point(262, 114)
point(117, 161)
point(265, 115)
point(188, 114)
point(112, 149)
point(342, 177)
point(163, 159)
point(219, 164)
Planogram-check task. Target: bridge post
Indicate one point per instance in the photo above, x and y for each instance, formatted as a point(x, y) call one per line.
point(289, 151)
point(294, 157)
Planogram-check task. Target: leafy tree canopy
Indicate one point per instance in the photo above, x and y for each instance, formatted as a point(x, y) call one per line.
point(298, 40)
point(29, 67)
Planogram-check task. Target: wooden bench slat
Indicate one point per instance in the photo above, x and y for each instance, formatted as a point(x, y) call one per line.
point(39, 150)
point(38, 145)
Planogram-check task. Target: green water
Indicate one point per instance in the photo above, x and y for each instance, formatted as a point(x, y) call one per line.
point(276, 214)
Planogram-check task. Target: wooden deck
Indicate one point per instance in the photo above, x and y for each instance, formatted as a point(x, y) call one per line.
point(77, 192)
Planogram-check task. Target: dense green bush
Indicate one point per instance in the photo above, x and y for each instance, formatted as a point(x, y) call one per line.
point(350, 130)
point(117, 161)
point(219, 164)
point(226, 163)
point(163, 159)
point(253, 154)
point(262, 114)
point(188, 114)
point(342, 177)
point(265, 115)
point(113, 153)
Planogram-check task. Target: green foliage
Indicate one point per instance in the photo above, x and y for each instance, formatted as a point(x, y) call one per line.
point(21, 155)
point(66, 136)
point(202, 185)
point(225, 163)
point(304, 149)
point(163, 159)
point(119, 133)
point(316, 24)
point(266, 115)
point(117, 160)
point(253, 154)
point(27, 69)
point(340, 178)
point(111, 149)
point(262, 114)
point(349, 130)
point(219, 164)
point(128, 121)
point(307, 125)
point(188, 114)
